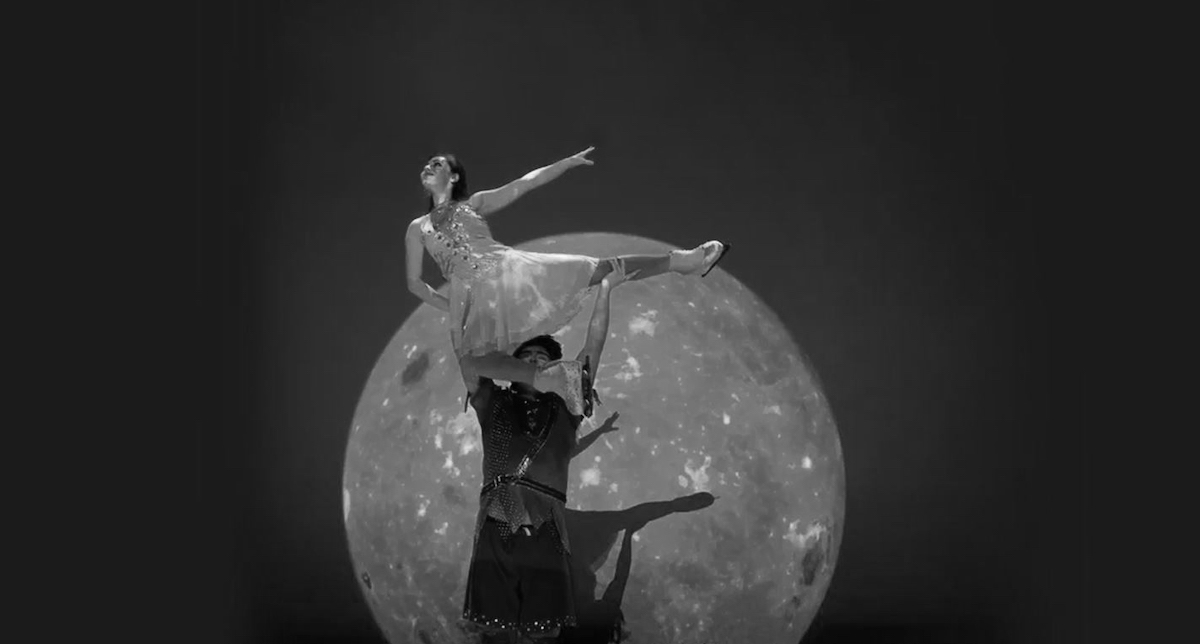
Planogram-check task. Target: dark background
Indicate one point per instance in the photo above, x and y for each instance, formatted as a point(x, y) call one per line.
point(872, 163)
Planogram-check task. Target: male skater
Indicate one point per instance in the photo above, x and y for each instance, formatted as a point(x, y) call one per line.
point(519, 586)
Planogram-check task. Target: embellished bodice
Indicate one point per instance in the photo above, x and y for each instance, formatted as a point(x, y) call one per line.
point(516, 426)
point(513, 427)
point(459, 240)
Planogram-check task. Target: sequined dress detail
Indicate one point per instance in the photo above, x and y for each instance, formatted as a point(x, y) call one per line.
point(500, 296)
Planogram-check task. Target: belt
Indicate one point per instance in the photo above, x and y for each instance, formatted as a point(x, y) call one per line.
point(512, 479)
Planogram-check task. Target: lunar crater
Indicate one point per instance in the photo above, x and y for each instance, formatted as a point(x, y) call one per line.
point(414, 371)
point(454, 496)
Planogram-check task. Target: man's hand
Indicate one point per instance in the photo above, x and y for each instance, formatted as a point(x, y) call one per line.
point(616, 274)
point(607, 426)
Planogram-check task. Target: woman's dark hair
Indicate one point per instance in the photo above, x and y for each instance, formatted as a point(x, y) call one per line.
point(459, 191)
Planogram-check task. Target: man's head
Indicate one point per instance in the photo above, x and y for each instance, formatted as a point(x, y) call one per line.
point(539, 350)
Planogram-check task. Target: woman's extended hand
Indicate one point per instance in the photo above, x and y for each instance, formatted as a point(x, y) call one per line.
point(579, 158)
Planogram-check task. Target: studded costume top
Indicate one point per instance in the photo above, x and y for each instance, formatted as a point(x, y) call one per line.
point(527, 445)
point(527, 448)
point(500, 296)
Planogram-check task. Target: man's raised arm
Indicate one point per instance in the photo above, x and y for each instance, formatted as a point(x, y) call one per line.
point(597, 333)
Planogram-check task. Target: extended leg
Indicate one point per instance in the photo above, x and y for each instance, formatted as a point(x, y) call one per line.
point(638, 267)
point(684, 262)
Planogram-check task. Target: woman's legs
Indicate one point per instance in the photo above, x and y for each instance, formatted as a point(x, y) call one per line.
point(685, 262)
point(638, 267)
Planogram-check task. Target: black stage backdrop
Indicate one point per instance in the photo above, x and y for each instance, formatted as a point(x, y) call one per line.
point(870, 161)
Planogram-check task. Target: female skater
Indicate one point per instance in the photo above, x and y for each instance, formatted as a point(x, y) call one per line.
point(500, 296)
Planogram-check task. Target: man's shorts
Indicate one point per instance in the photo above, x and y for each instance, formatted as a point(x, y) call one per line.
point(524, 585)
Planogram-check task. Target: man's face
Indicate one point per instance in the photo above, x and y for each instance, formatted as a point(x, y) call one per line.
point(534, 354)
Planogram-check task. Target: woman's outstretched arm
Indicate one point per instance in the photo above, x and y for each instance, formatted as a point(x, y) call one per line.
point(414, 254)
point(486, 202)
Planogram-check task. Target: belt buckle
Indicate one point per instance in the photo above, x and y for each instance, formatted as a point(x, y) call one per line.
point(499, 479)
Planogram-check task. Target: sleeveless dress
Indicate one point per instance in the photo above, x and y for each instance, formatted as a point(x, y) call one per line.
point(500, 296)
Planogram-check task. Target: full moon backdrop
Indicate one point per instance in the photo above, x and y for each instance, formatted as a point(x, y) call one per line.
point(711, 396)
point(867, 161)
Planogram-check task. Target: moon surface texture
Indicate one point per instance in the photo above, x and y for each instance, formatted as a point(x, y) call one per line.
point(713, 395)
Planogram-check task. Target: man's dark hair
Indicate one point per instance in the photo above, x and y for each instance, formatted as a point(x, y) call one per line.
point(546, 342)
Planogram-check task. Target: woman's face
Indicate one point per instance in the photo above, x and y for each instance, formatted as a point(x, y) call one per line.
point(436, 174)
